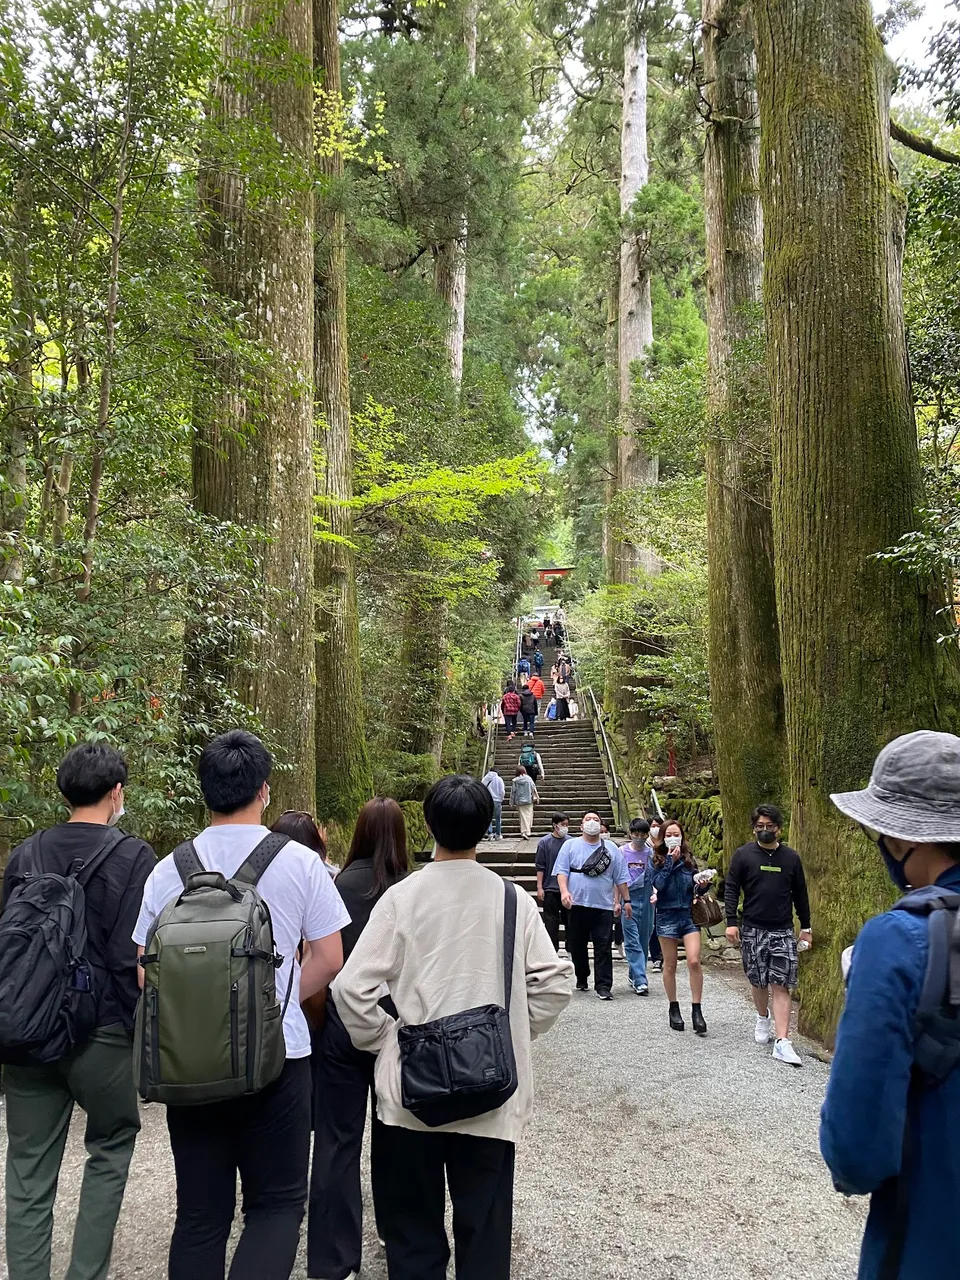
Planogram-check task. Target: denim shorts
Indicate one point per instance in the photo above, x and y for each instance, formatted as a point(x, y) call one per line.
point(674, 922)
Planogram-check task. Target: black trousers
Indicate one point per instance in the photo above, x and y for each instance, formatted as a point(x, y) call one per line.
point(553, 913)
point(266, 1138)
point(342, 1082)
point(410, 1196)
point(592, 924)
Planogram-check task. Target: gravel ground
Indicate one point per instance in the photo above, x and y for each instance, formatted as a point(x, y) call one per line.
point(652, 1156)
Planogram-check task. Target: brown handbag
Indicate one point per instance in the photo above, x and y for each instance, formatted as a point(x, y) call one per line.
point(706, 911)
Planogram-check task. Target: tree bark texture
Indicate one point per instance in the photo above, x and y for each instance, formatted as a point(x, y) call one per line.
point(253, 459)
point(450, 257)
point(746, 693)
point(18, 405)
point(635, 467)
point(858, 640)
point(343, 766)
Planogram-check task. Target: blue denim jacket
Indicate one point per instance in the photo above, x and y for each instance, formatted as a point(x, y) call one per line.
point(870, 1102)
point(674, 885)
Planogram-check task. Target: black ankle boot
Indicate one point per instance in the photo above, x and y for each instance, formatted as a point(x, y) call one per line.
point(696, 1017)
point(676, 1018)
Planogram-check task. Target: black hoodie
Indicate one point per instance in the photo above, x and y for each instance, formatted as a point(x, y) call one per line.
point(113, 896)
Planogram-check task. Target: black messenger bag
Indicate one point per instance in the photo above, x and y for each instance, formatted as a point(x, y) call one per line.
point(463, 1065)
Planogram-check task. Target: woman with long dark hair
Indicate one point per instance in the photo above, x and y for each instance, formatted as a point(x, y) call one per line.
point(674, 869)
point(304, 828)
point(343, 1075)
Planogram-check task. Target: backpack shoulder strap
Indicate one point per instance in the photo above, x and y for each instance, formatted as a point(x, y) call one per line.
point(261, 857)
point(509, 939)
point(85, 872)
point(187, 861)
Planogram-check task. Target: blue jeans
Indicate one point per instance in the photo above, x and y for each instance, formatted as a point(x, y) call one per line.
point(636, 935)
point(495, 823)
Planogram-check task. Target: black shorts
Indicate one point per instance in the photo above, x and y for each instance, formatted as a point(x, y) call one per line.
point(769, 956)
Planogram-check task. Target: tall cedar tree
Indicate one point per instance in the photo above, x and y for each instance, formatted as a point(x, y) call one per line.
point(253, 454)
point(859, 647)
point(745, 687)
point(343, 766)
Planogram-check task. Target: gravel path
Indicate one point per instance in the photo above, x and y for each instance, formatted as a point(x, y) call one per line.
point(653, 1156)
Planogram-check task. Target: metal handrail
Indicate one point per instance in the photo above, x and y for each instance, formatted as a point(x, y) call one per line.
point(600, 730)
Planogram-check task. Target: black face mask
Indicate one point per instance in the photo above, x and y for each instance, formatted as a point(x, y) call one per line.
point(766, 837)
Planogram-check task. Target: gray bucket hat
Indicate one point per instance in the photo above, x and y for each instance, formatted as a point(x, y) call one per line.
point(914, 790)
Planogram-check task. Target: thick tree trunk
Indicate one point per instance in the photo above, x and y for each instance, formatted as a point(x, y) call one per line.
point(17, 407)
point(859, 647)
point(422, 697)
point(343, 766)
point(635, 467)
point(746, 694)
point(253, 459)
point(450, 257)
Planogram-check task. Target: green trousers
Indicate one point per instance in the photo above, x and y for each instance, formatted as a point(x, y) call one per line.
point(39, 1104)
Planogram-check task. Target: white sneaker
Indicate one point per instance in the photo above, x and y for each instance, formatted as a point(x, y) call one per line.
point(763, 1032)
point(784, 1051)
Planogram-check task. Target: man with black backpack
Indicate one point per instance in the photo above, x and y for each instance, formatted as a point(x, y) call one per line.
point(221, 1036)
point(892, 1113)
point(68, 990)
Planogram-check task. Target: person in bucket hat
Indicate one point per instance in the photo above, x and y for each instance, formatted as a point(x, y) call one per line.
point(887, 1131)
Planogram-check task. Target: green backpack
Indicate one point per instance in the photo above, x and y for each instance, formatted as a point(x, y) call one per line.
point(208, 1025)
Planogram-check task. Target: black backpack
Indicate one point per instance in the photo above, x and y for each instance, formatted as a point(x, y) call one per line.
point(48, 997)
point(936, 1047)
point(936, 1051)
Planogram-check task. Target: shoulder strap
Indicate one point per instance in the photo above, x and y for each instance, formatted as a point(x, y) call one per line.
point(86, 870)
point(186, 860)
point(258, 861)
point(509, 939)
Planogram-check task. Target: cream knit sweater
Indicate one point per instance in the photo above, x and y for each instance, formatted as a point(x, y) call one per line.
point(435, 940)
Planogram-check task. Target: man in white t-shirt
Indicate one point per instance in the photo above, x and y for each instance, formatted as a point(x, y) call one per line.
point(264, 1137)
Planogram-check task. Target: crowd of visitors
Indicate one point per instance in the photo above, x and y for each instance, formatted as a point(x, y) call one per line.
point(265, 1001)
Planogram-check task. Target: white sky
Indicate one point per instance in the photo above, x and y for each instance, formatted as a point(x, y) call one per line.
point(911, 44)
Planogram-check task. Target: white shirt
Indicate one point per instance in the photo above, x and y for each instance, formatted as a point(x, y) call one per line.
point(303, 902)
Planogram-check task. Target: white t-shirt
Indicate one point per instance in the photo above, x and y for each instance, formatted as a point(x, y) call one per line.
point(303, 901)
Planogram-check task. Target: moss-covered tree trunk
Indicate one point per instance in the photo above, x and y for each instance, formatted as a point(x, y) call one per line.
point(18, 401)
point(746, 694)
point(253, 461)
point(858, 640)
point(343, 766)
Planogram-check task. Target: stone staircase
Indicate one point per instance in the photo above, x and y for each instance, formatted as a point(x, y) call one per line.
point(573, 783)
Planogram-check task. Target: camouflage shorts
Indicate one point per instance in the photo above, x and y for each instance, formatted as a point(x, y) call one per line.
point(769, 956)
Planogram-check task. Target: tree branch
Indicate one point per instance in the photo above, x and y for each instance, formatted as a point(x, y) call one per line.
point(925, 146)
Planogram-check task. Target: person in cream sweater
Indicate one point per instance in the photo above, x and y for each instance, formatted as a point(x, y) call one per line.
point(434, 942)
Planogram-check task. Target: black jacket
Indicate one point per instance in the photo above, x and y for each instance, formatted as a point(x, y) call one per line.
point(773, 884)
point(354, 884)
point(528, 703)
point(113, 896)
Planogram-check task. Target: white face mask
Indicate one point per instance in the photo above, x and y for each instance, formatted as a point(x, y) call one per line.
point(673, 842)
point(563, 831)
point(266, 803)
point(591, 827)
point(115, 816)
point(654, 832)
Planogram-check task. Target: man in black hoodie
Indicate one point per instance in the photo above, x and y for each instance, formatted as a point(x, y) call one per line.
point(99, 1074)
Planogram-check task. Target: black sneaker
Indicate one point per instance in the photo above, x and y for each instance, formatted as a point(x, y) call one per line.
point(582, 986)
point(604, 995)
point(657, 966)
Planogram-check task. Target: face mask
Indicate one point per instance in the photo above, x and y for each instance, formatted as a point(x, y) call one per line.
point(266, 803)
point(591, 828)
point(563, 831)
point(654, 832)
point(115, 817)
point(896, 869)
point(766, 837)
point(673, 842)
